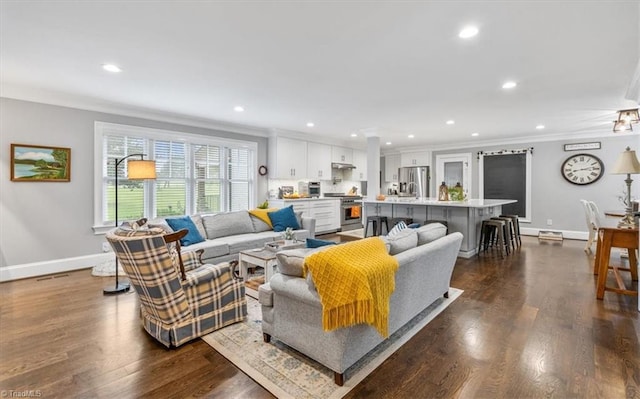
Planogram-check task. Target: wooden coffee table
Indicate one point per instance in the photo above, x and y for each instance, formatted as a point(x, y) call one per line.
point(263, 258)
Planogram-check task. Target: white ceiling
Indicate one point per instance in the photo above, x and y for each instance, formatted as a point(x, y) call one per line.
point(395, 68)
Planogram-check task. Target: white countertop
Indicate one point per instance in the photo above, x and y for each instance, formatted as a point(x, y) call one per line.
point(471, 203)
point(304, 199)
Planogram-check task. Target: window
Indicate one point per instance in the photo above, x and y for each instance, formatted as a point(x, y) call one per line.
point(506, 174)
point(195, 174)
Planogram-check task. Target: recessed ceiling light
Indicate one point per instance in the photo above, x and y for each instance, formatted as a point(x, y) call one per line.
point(468, 32)
point(475, 134)
point(354, 135)
point(310, 124)
point(111, 68)
point(509, 85)
point(388, 143)
point(540, 127)
point(238, 108)
point(411, 136)
point(451, 122)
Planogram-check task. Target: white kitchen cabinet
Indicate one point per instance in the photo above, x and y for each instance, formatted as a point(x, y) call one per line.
point(341, 154)
point(391, 165)
point(360, 162)
point(421, 158)
point(299, 205)
point(318, 161)
point(326, 212)
point(287, 158)
point(458, 219)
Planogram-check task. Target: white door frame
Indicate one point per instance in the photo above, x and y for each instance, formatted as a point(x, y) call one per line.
point(465, 158)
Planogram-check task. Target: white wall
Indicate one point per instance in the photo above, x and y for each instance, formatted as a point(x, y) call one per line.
point(41, 222)
point(552, 196)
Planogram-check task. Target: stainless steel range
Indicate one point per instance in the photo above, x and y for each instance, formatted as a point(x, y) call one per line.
point(350, 211)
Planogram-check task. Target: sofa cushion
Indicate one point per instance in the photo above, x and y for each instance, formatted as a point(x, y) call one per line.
point(431, 232)
point(402, 241)
point(185, 222)
point(243, 242)
point(290, 261)
point(212, 248)
point(283, 218)
point(227, 224)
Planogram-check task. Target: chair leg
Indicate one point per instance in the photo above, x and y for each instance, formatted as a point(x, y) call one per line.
point(587, 248)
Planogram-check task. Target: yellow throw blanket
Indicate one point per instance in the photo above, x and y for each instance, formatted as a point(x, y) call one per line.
point(355, 282)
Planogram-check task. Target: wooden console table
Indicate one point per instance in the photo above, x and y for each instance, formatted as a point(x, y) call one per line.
point(609, 237)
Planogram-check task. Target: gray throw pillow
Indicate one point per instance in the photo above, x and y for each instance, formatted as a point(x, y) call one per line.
point(197, 220)
point(431, 232)
point(259, 225)
point(227, 224)
point(291, 261)
point(402, 241)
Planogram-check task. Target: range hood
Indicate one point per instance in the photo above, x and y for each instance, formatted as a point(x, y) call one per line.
point(337, 165)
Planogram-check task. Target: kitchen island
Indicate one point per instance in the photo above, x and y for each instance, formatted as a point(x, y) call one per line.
point(463, 216)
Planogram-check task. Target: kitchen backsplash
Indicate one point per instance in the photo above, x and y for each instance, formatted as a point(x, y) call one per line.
point(326, 186)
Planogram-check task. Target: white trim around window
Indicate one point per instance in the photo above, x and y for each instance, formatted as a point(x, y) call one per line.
point(102, 129)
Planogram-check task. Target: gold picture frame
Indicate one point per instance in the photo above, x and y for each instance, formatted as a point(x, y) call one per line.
point(36, 163)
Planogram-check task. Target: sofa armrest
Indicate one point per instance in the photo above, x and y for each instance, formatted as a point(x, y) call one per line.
point(294, 288)
point(265, 295)
point(309, 224)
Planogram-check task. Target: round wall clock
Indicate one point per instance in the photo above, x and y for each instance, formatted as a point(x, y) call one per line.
point(582, 169)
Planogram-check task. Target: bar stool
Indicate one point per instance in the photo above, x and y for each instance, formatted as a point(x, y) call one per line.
point(609, 237)
point(510, 232)
point(490, 231)
point(376, 221)
point(516, 226)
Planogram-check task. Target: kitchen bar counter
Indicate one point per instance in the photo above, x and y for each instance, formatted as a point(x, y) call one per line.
point(463, 216)
point(471, 203)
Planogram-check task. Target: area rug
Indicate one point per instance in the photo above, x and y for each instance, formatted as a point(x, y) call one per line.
point(288, 374)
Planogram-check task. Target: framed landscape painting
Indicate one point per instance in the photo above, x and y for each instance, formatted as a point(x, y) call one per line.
point(40, 163)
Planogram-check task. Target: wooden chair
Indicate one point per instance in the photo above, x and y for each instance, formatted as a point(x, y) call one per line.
point(592, 217)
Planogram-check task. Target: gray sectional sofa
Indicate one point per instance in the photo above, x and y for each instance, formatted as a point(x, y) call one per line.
point(292, 311)
point(228, 233)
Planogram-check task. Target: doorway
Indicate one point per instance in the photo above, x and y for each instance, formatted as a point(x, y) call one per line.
point(453, 169)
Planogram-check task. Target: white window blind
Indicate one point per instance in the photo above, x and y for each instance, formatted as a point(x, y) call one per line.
point(195, 174)
point(171, 182)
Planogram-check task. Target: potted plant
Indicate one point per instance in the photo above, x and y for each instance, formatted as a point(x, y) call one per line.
point(289, 236)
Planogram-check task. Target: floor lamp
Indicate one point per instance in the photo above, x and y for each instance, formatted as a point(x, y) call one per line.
point(628, 164)
point(139, 169)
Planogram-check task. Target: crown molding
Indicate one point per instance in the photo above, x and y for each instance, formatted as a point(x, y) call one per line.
point(23, 93)
point(512, 141)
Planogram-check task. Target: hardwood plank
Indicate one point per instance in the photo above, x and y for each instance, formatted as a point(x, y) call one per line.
point(527, 325)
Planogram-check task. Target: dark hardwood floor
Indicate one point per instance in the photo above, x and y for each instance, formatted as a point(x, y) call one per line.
point(528, 326)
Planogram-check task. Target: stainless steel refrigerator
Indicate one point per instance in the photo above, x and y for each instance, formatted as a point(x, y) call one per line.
point(413, 181)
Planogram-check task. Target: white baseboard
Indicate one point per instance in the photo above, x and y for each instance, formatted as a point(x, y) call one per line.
point(568, 234)
point(35, 269)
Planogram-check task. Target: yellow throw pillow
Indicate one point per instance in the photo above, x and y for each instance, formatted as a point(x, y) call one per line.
point(262, 214)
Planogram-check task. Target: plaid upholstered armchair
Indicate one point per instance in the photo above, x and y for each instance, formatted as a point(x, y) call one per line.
point(179, 301)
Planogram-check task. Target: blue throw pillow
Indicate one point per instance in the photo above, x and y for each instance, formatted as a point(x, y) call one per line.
point(185, 222)
point(283, 218)
point(413, 225)
point(315, 243)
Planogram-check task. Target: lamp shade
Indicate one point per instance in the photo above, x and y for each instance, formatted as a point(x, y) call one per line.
point(627, 163)
point(141, 169)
